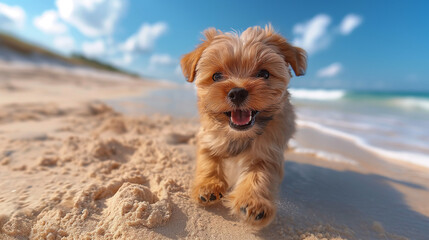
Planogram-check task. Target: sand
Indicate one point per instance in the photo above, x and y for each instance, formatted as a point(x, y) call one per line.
point(71, 167)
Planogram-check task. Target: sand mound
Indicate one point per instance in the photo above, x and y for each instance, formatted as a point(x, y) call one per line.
point(95, 174)
point(99, 211)
point(137, 205)
point(110, 149)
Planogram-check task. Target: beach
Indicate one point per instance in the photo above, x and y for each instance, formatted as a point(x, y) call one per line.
point(101, 156)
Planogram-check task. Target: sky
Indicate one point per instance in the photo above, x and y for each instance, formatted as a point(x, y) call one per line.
point(358, 45)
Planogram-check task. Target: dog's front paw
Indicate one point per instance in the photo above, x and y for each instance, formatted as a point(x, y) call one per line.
point(253, 209)
point(207, 193)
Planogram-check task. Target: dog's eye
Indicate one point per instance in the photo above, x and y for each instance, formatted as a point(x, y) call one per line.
point(263, 74)
point(217, 76)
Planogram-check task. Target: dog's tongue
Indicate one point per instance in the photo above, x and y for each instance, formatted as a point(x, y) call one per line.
point(240, 117)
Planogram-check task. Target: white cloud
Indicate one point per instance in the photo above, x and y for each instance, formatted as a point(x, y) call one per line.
point(92, 17)
point(313, 34)
point(64, 43)
point(161, 65)
point(316, 34)
point(144, 39)
point(330, 71)
point(11, 17)
point(161, 59)
point(95, 48)
point(349, 23)
point(49, 22)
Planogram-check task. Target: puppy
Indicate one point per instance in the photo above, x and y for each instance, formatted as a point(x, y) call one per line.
point(246, 118)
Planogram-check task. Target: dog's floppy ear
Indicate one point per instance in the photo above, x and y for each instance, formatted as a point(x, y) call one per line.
point(189, 61)
point(295, 56)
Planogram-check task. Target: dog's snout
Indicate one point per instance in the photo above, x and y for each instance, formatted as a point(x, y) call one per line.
point(238, 95)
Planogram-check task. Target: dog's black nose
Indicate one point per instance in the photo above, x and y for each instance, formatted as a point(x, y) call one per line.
point(238, 95)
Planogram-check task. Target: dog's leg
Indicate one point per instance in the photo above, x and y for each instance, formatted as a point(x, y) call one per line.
point(255, 192)
point(209, 184)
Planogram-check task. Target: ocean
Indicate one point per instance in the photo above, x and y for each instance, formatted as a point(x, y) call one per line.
point(394, 125)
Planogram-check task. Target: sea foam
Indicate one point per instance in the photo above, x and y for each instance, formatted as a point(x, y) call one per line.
point(317, 94)
point(412, 103)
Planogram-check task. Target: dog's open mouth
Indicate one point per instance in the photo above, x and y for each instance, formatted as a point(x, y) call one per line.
point(241, 119)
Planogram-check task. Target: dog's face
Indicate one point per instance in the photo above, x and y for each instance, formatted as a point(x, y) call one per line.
point(242, 79)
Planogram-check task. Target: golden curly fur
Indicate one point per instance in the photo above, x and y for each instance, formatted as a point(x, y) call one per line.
point(243, 168)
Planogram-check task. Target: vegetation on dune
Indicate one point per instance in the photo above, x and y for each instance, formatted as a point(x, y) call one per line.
point(26, 48)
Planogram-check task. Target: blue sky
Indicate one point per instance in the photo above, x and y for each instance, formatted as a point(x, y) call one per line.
point(376, 45)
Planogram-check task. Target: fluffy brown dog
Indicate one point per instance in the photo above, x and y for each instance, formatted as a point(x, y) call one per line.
point(246, 118)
